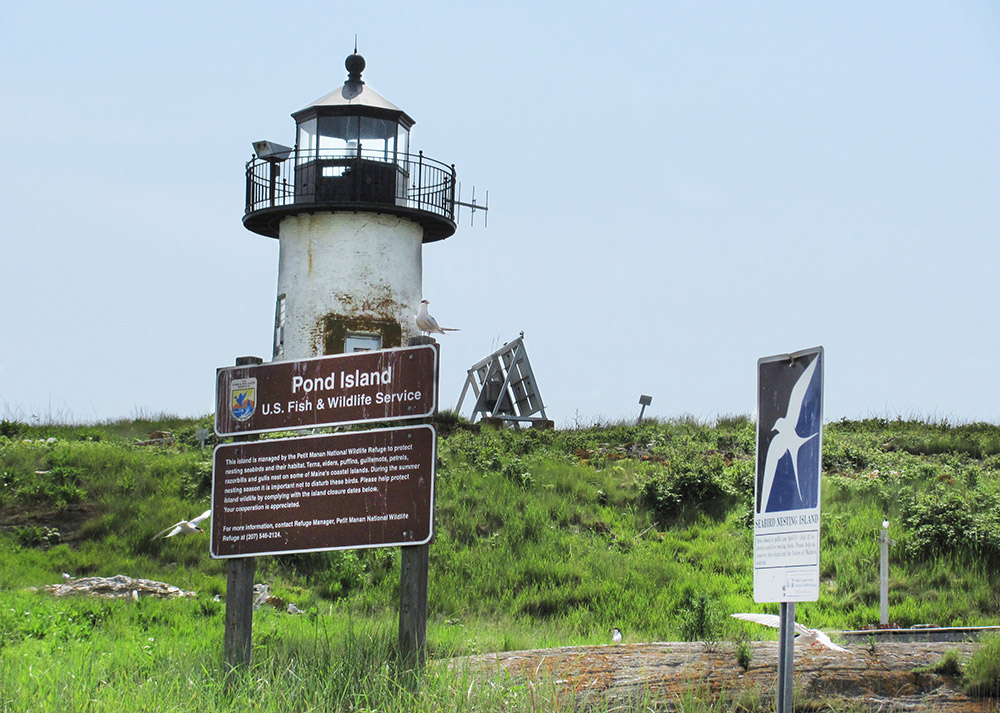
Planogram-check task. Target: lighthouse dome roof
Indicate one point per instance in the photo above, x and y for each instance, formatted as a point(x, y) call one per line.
point(353, 98)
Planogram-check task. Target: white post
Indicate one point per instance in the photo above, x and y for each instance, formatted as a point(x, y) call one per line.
point(883, 574)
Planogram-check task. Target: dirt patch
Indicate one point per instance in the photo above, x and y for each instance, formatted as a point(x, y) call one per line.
point(879, 678)
point(67, 522)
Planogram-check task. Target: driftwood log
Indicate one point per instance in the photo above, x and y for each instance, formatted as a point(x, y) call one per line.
point(879, 677)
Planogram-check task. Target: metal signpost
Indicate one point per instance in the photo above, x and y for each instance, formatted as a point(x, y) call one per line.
point(787, 493)
point(644, 401)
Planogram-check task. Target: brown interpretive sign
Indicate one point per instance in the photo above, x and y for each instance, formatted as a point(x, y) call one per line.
point(383, 385)
point(328, 492)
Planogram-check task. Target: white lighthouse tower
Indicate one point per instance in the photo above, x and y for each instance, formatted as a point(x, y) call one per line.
point(351, 208)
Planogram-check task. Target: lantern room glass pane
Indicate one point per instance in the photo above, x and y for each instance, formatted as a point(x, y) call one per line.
point(403, 156)
point(340, 136)
point(338, 133)
point(403, 140)
point(378, 138)
point(307, 140)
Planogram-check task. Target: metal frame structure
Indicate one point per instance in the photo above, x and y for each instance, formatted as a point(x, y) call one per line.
point(505, 386)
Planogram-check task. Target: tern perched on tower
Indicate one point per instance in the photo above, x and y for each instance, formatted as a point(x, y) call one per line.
point(427, 324)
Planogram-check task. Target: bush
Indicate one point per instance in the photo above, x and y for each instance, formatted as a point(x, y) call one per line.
point(945, 521)
point(700, 618)
point(983, 670)
point(37, 535)
point(939, 522)
point(58, 486)
point(12, 429)
point(690, 478)
point(948, 665)
point(744, 654)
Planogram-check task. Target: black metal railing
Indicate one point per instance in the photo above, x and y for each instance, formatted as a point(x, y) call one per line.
point(352, 178)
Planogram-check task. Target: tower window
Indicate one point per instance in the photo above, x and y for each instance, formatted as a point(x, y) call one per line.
point(362, 343)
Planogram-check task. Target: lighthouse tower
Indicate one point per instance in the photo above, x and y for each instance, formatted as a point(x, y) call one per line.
point(351, 208)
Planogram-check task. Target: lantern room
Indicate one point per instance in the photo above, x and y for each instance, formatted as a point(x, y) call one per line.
point(351, 153)
point(353, 118)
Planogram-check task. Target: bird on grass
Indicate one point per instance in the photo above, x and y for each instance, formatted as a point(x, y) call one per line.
point(616, 635)
point(803, 633)
point(427, 324)
point(184, 527)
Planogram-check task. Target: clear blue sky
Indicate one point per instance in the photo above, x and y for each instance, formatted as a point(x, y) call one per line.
point(676, 189)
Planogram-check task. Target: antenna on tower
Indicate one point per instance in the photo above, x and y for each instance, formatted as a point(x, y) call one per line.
point(474, 206)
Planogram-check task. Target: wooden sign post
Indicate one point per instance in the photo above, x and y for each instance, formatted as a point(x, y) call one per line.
point(414, 568)
point(238, 635)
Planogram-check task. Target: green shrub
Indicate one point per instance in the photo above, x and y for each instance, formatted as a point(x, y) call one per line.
point(844, 456)
point(196, 482)
point(691, 478)
point(37, 535)
point(948, 665)
point(982, 673)
point(744, 654)
point(939, 521)
point(700, 618)
point(59, 486)
point(12, 429)
point(944, 520)
point(89, 433)
point(346, 572)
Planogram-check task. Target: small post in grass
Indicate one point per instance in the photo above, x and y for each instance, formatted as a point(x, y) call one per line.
point(883, 573)
point(239, 590)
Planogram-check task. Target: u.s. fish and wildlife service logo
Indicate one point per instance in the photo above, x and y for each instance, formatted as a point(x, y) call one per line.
point(789, 423)
point(243, 398)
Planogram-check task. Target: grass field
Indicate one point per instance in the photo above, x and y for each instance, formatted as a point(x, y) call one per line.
point(543, 538)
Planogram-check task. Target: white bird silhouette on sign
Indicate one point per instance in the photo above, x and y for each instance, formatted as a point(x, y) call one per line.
point(427, 324)
point(787, 440)
point(805, 634)
point(187, 527)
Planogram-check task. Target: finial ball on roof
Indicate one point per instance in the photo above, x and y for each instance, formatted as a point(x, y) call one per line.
point(355, 65)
